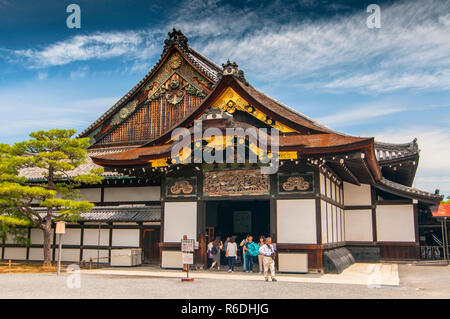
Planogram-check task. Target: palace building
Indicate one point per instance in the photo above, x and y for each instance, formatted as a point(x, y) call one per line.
point(333, 198)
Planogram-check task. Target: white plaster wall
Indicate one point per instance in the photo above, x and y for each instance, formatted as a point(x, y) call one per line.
point(296, 221)
point(71, 237)
point(333, 191)
point(358, 225)
point(324, 221)
point(180, 218)
point(126, 194)
point(357, 195)
point(171, 259)
point(36, 254)
point(91, 237)
point(69, 254)
point(15, 253)
point(37, 236)
point(125, 237)
point(395, 223)
point(322, 184)
point(94, 253)
point(91, 194)
point(335, 224)
point(328, 183)
point(293, 262)
point(330, 223)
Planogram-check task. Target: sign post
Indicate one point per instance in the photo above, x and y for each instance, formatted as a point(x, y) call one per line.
point(60, 230)
point(187, 255)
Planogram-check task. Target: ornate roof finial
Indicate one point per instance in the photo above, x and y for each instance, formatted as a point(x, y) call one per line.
point(231, 68)
point(176, 37)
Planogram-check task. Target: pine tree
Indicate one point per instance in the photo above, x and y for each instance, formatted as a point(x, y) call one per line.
point(55, 154)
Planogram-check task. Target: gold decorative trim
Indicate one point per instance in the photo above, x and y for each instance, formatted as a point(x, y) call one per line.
point(229, 101)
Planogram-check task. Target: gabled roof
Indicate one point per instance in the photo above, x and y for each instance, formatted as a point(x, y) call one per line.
point(388, 152)
point(176, 40)
point(304, 136)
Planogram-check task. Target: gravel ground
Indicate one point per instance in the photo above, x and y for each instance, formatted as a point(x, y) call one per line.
point(416, 282)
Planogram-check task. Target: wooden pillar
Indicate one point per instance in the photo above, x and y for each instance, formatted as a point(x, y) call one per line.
point(54, 243)
point(28, 246)
point(81, 240)
point(110, 225)
point(374, 214)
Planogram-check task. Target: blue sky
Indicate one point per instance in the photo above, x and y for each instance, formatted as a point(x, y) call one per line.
point(319, 57)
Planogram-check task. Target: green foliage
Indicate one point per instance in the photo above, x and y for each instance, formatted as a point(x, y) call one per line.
point(446, 201)
point(18, 234)
point(55, 154)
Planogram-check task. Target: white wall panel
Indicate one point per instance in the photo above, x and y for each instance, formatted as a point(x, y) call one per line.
point(171, 259)
point(395, 223)
point(71, 237)
point(15, 253)
point(69, 254)
point(330, 223)
point(180, 218)
point(296, 221)
point(37, 236)
point(91, 237)
point(125, 237)
point(36, 254)
point(358, 225)
point(91, 194)
point(357, 195)
point(293, 262)
point(328, 183)
point(335, 225)
point(324, 221)
point(322, 184)
point(94, 254)
point(127, 194)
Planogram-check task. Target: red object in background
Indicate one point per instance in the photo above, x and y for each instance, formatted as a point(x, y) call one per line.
point(442, 211)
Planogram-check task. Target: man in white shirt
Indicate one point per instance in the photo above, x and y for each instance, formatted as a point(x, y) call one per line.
point(268, 252)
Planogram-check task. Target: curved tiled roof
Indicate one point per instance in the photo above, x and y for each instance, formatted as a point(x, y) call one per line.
point(125, 213)
point(409, 192)
point(35, 173)
point(391, 151)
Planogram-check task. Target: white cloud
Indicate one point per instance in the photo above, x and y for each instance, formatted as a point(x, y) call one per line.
point(276, 43)
point(411, 50)
point(100, 45)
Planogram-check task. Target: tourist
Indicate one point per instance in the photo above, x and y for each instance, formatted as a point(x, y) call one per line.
point(231, 254)
point(268, 252)
point(216, 247)
point(224, 259)
point(251, 251)
point(260, 256)
point(244, 258)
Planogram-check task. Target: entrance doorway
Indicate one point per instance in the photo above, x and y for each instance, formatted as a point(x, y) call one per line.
point(238, 218)
point(150, 245)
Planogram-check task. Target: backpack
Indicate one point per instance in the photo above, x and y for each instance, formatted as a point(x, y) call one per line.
point(214, 250)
